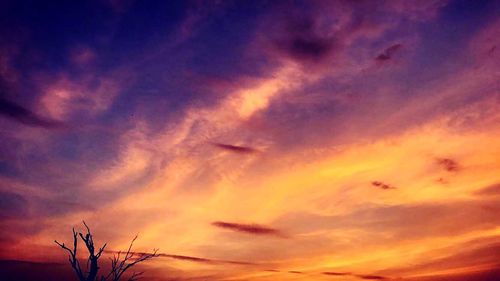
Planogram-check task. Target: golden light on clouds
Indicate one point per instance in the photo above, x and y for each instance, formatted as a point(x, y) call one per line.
point(312, 141)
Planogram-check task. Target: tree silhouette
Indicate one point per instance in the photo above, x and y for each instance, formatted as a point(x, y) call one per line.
point(118, 267)
point(119, 264)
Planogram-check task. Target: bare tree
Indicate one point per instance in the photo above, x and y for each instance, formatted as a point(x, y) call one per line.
point(92, 265)
point(118, 266)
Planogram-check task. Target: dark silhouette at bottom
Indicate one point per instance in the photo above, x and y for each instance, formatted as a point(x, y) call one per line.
point(119, 263)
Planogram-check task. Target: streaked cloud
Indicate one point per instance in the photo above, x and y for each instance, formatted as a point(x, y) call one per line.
point(332, 273)
point(235, 148)
point(255, 229)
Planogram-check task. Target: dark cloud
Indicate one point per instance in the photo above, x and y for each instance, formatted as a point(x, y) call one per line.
point(301, 40)
point(272, 270)
point(191, 258)
point(235, 148)
point(479, 275)
point(248, 228)
point(448, 164)
point(388, 53)
point(491, 190)
point(372, 277)
point(205, 260)
point(362, 276)
point(492, 49)
point(382, 185)
point(25, 116)
point(309, 48)
point(295, 272)
point(335, 273)
point(188, 258)
point(481, 252)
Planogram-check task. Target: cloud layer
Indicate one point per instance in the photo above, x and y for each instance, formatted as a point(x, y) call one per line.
point(263, 140)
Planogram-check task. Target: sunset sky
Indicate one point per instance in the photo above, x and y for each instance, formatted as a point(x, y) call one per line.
point(253, 140)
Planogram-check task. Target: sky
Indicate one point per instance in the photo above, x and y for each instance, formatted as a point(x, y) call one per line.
point(253, 140)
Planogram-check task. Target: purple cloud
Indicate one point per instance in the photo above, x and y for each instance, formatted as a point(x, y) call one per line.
point(389, 52)
point(25, 116)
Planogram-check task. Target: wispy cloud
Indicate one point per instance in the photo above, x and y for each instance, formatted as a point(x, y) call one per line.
point(372, 277)
point(255, 229)
point(25, 116)
point(235, 148)
point(333, 273)
point(191, 258)
point(281, 126)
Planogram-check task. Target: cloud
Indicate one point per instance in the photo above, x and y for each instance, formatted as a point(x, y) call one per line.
point(417, 10)
point(25, 116)
point(248, 228)
point(448, 164)
point(332, 273)
point(372, 277)
point(301, 38)
point(382, 185)
point(302, 41)
point(191, 258)
point(133, 165)
point(315, 163)
point(272, 270)
point(235, 148)
point(15, 205)
point(389, 52)
point(188, 258)
point(474, 256)
point(427, 220)
point(88, 96)
point(362, 276)
point(492, 190)
point(476, 275)
point(82, 56)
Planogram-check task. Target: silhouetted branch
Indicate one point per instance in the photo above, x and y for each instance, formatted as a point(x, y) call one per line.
point(119, 265)
point(72, 256)
point(135, 276)
point(93, 258)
